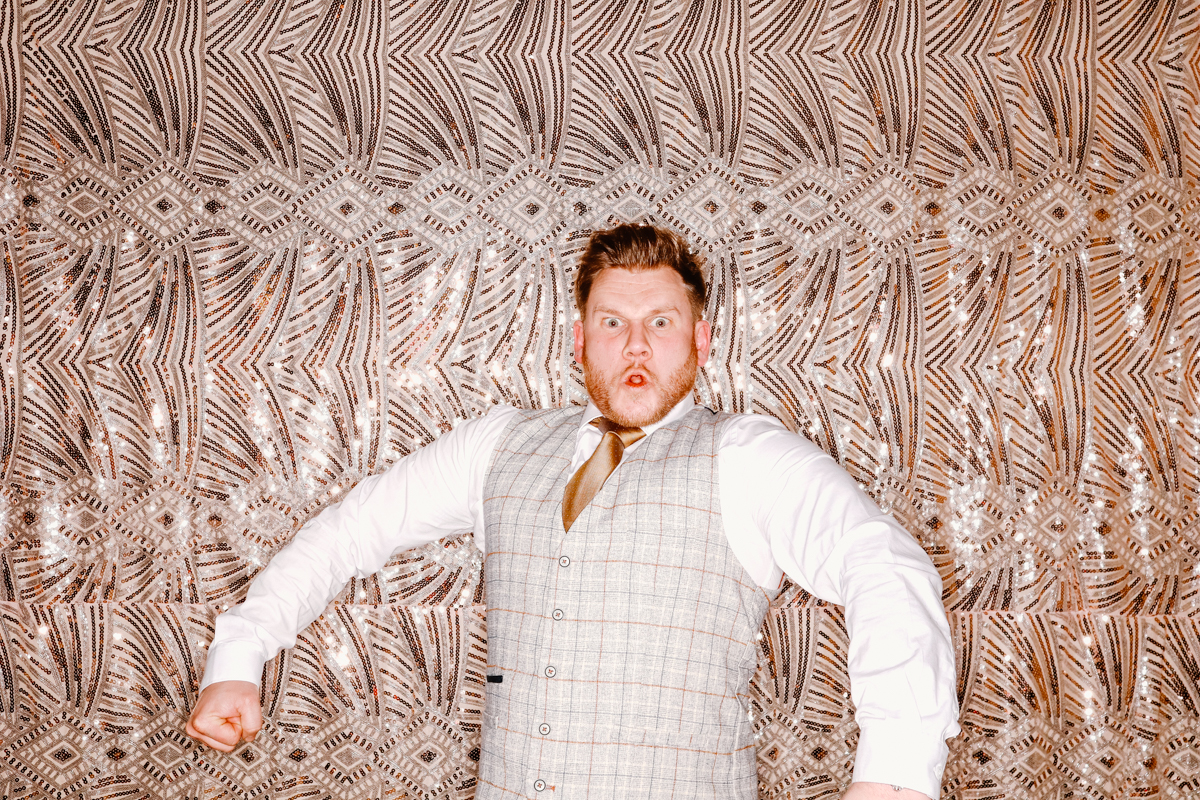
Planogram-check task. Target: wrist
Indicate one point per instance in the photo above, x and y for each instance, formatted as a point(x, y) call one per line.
point(868, 790)
point(233, 661)
point(899, 754)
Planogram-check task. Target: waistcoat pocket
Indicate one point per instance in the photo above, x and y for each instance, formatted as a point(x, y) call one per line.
point(691, 737)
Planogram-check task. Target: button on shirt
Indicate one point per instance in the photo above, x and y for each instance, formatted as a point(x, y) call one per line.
point(787, 507)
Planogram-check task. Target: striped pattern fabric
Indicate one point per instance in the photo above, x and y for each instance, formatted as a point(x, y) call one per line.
point(624, 647)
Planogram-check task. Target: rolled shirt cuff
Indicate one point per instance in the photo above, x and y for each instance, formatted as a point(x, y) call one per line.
point(895, 754)
point(233, 661)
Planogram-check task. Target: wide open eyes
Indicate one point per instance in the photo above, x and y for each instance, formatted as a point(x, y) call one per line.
point(657, 323)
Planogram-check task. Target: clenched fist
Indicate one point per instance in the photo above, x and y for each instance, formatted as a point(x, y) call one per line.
point(226, 713)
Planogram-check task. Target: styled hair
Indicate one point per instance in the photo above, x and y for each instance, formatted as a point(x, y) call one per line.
point(638, 248)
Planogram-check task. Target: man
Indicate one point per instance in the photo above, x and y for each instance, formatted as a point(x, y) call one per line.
point(632, 549)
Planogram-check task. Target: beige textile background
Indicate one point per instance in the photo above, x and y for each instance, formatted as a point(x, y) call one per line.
point(255, 251)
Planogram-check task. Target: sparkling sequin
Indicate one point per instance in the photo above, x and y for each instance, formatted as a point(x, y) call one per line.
point(953, 245)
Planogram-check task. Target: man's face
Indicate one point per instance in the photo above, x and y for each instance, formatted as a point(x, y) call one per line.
point(639, 344)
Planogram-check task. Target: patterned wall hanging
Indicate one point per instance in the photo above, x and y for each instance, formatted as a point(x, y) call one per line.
point(254, 252)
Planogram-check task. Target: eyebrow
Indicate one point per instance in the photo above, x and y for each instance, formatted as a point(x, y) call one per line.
point(653, 311)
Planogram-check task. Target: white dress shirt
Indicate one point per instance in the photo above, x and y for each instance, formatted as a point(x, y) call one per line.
point(787, 507)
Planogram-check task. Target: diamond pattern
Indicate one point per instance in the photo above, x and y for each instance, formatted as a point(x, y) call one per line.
point(166, 754)
point(881, 208)
point(422, 758)
point(250, 770)
point(258, 208)
point(527, 206)
point(1093, 758)
point(1150, 211)
point(1051, 212)
point(256, 254)
point(628, 194)
point(983, 200)
point(342, 764)
point(162, 205)
point(344, 207)
point(78, 203)
point(707, 206)
point(54, 756)
point(803, 209)
point(446, 210)
point(163, 518)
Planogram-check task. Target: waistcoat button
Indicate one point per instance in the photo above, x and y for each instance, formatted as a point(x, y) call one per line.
point(539, 785)
point(550, 672)
point(543, 729)
point(564, 561)
point(558, 613)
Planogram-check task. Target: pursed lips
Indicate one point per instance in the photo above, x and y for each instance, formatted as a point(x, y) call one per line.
point(638, 378)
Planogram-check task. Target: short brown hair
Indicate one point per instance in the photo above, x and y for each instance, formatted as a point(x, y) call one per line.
point(637, 248)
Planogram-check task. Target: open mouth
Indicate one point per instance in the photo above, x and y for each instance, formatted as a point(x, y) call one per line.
point(637, 380)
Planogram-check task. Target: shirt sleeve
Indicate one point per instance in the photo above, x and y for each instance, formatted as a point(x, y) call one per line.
point(825, 533)
point(434, 492)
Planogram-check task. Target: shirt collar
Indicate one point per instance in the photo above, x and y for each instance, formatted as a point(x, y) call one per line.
point(682, 407)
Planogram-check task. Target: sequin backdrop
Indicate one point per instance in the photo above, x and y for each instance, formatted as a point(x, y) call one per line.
point(255, 251)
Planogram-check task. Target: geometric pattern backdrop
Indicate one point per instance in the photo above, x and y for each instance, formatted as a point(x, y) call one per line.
point(256, 251)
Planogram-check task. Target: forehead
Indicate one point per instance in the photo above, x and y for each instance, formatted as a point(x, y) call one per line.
point(656, 289)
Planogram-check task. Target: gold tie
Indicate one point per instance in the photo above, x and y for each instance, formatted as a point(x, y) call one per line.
point(588, 479)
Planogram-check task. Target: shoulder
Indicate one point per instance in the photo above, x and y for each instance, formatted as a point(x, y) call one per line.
point(519, 427)
point(764, 463)
point(542, 418)
point(764, 438)
point(548, 414)
point(494, 420)
point(476, 435)
point(500, 417)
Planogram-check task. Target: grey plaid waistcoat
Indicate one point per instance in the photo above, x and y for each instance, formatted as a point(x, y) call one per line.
point(619, 654)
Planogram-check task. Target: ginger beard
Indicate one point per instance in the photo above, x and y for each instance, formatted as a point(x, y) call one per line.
point(636, 389)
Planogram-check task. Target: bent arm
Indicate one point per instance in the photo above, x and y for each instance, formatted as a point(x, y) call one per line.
point(825, 533)
point(432, 493)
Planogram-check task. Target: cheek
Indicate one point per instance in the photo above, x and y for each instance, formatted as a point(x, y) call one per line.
point(603, 349)
point(677, 345)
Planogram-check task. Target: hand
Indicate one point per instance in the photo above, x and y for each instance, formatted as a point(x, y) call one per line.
point(226, 713)
point(880, 791)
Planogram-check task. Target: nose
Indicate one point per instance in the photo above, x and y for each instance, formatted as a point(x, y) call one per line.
point(637, 346)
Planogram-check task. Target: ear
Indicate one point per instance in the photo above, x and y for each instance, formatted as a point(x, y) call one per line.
point(578, 329)
point(703, 336)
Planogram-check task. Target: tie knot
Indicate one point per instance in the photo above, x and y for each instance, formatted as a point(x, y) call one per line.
point(589, 478)
point(627, 435)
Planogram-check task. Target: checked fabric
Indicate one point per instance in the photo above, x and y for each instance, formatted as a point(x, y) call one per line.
point(625, 645)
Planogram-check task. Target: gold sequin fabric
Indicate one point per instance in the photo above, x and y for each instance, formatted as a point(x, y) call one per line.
point(255, 251)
